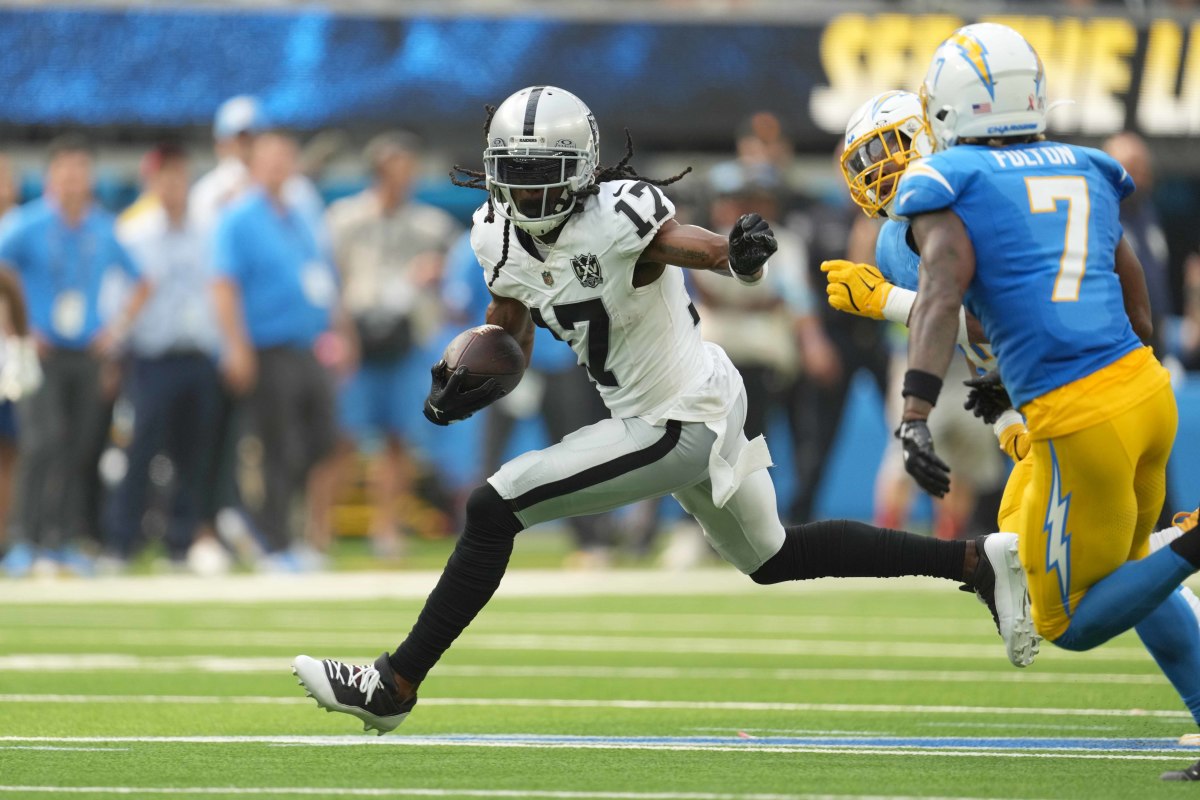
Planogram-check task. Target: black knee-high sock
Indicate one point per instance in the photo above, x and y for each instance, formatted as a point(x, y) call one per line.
point(467, 583)
point(846, 549)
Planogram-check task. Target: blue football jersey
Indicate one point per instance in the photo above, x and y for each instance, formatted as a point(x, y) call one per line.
point(895, 259)
point(1042, 218)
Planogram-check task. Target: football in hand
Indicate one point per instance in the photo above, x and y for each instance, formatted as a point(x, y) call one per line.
point(487, 351)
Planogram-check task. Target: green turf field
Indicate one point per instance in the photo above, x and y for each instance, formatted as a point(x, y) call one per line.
point(726, 690)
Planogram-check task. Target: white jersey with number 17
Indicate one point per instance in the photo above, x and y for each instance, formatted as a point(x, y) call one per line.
point(641, 345)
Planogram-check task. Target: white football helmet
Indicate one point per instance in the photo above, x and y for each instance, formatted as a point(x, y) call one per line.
point(542, 142)
point(882, 136)
point(985, 82)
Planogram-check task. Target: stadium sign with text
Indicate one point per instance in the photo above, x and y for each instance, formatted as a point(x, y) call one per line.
point(675, 84)
point(1117, 74)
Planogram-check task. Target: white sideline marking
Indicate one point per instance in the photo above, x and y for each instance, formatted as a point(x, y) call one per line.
point(583, 744)
point(117, 662)
point(416, 585)
point(640, 705)
point(515, 793)
point(524, 642)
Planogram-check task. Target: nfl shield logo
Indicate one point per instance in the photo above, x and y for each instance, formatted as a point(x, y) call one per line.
point(587, 269)
point(547, 278)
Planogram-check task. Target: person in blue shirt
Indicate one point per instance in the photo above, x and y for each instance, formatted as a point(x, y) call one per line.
point(276, 294)
point(884, 136)
point(65, 252)
point(1025, 232)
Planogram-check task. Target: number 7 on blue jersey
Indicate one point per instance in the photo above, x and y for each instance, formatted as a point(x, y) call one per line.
point(1044, 194)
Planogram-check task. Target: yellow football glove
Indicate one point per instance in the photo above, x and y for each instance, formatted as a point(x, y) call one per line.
point(1014, 440)
point(858, 289)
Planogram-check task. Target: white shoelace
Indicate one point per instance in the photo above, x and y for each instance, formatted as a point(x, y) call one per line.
point(364, 679)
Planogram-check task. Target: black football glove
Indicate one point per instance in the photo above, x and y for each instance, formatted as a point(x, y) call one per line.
point(988, 398)
point(449, 402)
point(751, 243)
point(930, 472)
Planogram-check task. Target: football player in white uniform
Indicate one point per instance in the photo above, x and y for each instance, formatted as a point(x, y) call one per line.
point(592, 253)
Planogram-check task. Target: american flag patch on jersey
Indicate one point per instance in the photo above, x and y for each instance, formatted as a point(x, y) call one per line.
point(981, 108)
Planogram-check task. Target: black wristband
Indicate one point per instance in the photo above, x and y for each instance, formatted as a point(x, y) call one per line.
point(922, 385)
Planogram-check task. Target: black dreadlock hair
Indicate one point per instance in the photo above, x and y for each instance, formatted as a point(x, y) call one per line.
point(622, 171)
point(475, 179)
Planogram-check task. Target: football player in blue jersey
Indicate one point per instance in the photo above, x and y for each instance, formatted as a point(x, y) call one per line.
point(1024, 232)
point(882, 137)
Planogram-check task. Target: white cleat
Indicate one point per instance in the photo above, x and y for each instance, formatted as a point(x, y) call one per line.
point(1000, 584)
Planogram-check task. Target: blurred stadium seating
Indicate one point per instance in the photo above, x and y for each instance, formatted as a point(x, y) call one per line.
point(680, 74)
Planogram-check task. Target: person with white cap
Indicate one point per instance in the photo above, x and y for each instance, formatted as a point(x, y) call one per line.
point(238, 120)
point(237, 123)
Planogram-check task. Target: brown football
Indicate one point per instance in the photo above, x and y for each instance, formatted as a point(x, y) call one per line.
point(487, 351)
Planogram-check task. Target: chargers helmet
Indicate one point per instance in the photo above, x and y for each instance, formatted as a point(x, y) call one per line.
point(882, 136)
point(542, 141)
point(985, 82)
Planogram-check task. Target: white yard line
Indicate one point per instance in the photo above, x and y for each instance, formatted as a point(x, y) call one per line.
point(941, 630)
point(120, 662)
point(500, 621)
point(414, 585)
point(524, 642)
point(791, 731)
point(70, 749)
point(533, 794)
point(1016, 726)
point(634, 705)
point(585, 744)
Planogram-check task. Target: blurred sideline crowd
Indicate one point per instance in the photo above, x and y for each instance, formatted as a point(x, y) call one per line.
point(213, 371)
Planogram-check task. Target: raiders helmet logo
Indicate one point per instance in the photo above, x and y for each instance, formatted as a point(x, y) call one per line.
point(587, 269)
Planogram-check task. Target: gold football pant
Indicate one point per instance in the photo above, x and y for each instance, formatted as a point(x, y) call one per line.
point(1089, 504)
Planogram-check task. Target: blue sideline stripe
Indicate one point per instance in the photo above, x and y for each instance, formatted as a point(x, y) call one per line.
point(921, 742)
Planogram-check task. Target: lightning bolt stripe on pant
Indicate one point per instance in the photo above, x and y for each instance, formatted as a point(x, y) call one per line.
point(1090, 504)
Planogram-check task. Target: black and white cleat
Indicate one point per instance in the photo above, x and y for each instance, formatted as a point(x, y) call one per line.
point(364, 692)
